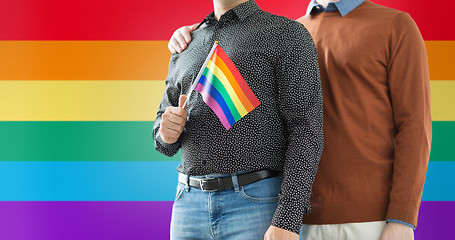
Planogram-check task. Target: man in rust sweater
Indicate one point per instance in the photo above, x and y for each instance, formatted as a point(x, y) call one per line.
point(377, 121)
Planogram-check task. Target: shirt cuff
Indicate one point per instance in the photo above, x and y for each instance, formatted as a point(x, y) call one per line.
point(399, 221)
point(166, 148)
point(289, 215)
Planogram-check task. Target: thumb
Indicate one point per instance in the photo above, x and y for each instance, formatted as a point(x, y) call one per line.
point(182, 101)
point(193, 27)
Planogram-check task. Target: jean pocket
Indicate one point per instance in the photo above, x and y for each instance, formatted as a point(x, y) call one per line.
point(180, 191)
point(265, 190)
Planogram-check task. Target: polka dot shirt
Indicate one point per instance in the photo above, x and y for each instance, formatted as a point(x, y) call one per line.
point(278, 60)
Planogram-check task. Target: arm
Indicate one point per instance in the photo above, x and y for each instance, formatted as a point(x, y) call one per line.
point(171, 117)
point(408, 79)
point(300, 103)
point(397, 231)
point(180, 38)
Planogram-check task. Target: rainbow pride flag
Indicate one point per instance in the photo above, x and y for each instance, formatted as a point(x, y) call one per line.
point(223, 88)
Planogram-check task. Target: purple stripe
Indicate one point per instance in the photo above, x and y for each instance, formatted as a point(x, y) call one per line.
point(213, 104)
point(436, 220)
point(84, 220)
point(145, 220)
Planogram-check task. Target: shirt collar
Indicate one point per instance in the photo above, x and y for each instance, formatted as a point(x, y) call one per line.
point(343, 6)
point(246, 9)
point(241, 12)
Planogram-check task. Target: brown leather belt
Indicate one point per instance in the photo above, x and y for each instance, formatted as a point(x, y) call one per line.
point(220, 183)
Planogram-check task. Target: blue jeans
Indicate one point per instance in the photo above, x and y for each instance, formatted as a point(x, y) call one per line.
point(242, 213)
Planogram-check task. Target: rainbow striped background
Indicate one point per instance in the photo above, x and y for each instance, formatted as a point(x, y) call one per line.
point(80, 82)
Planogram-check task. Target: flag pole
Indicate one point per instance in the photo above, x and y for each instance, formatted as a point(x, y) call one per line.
point(201, 71)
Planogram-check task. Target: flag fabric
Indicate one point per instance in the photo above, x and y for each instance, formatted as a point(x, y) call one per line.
point(223, 88)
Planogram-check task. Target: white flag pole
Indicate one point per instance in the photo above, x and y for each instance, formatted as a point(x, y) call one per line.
point(201, 71)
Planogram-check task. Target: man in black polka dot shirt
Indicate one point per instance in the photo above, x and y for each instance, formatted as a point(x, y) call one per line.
point(270, 156)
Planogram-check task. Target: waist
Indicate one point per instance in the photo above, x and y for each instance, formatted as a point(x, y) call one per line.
point(217, 182)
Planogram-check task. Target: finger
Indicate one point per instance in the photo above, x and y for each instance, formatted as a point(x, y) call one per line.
point(167, 136)
point(182, 101)
point(181, 112)
point(194, 26)
point(176, 119)
point(267, 234)
point(171, 129)
point(175, 45)
point(175, 111)
point(180, 40)
point(173, 42)
point(191, 28)
point(169, 133)
point(170, 118)
point(171, 48)
point(169, 140)
point(186, 33)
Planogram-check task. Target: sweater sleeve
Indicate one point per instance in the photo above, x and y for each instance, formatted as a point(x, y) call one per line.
point(408, 79)
point(170, 98)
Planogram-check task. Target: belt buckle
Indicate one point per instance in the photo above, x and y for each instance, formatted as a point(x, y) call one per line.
point(204, 180)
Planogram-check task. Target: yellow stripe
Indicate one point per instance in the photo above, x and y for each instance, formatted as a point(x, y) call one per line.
point(80, 100)
point(443, 100)
point(220, 75)
point(125, 100)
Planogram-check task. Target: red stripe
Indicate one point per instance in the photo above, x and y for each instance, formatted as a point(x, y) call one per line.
point(238, 77)
point(434, 23)
point(156, 20)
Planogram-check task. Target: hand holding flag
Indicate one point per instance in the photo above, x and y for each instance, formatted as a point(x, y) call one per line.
point(173, 122)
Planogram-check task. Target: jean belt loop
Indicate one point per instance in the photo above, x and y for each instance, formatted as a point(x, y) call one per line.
point(235, 182)
point(187, 186)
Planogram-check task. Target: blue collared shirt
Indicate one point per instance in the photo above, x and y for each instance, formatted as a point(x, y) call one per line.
point(343, 6)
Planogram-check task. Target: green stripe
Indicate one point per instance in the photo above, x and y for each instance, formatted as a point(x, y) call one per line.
point(124, 141)
point(219, 86)
point(79, 141)
point(443, 144)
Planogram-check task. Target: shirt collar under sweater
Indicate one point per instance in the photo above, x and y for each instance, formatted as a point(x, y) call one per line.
point(343, 6)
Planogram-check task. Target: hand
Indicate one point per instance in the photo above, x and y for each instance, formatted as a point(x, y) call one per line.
point(397, 231)
point(180, 39)
point(173, 122)
point(275, 233)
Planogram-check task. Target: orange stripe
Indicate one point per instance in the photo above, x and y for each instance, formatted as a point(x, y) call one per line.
point(131, 60)
point(441, 59)
point(237, 89)
point(83, 60)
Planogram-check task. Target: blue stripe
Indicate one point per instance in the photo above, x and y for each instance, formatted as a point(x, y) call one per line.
point(218, 98)
point(137, 181)
point(88, 181)
point(440, 182)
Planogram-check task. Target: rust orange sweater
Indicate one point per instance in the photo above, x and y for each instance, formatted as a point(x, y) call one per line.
point(377, 122)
